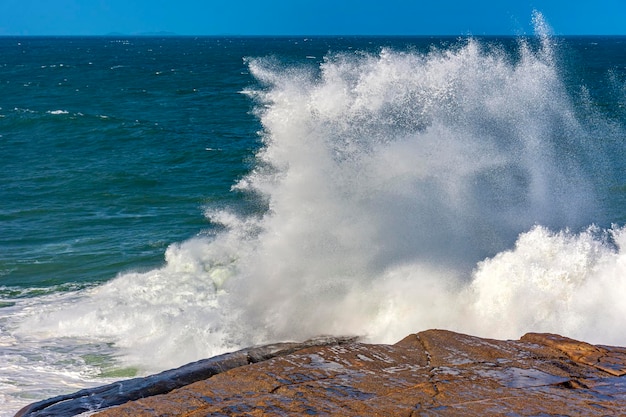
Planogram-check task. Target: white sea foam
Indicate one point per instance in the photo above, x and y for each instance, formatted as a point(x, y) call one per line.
point(405, 191)
point(561, 282)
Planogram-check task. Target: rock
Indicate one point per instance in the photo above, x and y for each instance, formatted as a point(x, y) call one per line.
point(121, 392)
point(432, 373)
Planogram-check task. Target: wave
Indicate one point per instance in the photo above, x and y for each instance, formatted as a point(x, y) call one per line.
point(399, 191)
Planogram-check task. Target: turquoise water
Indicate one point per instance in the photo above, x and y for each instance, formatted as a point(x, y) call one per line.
point(112, 148)
point(166, 199)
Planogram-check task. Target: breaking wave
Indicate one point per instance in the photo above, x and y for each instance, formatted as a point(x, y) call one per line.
point(456, 188)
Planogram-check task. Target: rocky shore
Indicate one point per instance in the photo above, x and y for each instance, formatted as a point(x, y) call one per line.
point(431, 373)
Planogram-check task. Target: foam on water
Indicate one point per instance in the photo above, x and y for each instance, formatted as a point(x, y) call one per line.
point(560, 282)
point(403, 191)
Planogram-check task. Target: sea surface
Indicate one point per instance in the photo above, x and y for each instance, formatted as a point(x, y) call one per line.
point(168, 199)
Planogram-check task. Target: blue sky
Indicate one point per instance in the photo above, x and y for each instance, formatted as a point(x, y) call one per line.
point(318, 17)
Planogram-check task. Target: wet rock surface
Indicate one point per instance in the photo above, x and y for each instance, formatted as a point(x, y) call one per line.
point(94, 399)
point(432, 373)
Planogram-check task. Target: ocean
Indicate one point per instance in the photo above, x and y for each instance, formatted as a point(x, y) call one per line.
point(168, 199)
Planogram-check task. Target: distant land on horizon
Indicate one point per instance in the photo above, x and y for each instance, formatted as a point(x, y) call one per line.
point(159, 33)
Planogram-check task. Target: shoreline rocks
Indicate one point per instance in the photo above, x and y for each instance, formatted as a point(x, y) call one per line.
point(431, 373)
point(120, 392)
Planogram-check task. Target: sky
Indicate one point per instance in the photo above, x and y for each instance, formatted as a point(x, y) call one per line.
point(312, 17)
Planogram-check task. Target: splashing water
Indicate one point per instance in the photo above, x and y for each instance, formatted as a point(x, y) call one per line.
point(403, 191)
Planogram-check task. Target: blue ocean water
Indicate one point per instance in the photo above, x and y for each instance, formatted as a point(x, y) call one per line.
point(111, 148)
point(166, 199)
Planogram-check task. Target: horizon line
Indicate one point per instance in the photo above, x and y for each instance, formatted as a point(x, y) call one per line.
point(176, 35)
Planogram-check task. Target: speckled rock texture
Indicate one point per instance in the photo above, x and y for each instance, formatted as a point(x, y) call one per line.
point(432, 373)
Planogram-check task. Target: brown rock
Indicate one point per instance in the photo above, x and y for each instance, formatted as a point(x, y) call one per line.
point(608, 359)
point(432, 373)
point(105, 396)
